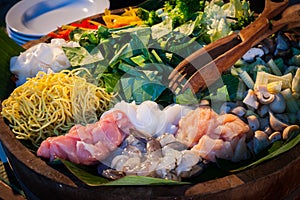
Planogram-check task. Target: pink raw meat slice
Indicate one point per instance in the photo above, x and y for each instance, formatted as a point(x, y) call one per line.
point(88, 144)
point(212, 135)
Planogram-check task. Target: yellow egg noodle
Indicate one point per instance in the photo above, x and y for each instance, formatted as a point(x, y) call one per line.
point(50, 104)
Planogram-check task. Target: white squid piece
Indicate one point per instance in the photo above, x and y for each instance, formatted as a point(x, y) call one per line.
point(46, 57)
point(149, 119)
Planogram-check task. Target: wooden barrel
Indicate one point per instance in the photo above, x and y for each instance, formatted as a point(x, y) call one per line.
point(278, 178)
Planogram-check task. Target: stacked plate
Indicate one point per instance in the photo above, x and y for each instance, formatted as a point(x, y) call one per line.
point(31, 19)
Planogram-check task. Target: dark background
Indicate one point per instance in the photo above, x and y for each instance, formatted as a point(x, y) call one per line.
point(5, 5)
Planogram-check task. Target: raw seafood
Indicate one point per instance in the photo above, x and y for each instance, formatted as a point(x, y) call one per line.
point(41, 57)
point(149, 119)
point(211, 135)
point(162, 157)
point(201, 120)
point(88, 144)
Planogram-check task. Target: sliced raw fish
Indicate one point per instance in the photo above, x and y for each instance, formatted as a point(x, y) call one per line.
point(212, 135)
point(196, 124)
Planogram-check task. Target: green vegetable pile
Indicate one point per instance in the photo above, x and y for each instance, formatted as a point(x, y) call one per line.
point(135, 61)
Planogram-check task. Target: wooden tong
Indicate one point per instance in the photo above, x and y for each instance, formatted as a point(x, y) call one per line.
point(205, 66)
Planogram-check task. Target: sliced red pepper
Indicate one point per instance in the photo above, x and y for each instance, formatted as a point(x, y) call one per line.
point(60, 34)
point(85, 24)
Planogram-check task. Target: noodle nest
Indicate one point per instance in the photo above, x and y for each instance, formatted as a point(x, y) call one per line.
point(50, 104)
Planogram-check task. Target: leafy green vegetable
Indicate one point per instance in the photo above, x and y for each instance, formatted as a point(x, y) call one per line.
point(187, 98)
point(79, 56)
point(241, 22)
point(181, 11)
point(221, 19)
point(243, 16)
point(89, 39)
point(149, 17)
point(220, 95)
point(110, 81)
point(136, 65)
point(142, 88)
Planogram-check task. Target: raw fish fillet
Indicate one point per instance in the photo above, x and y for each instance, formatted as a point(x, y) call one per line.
point(212, 135)
point(195, 124)
point(88, 144)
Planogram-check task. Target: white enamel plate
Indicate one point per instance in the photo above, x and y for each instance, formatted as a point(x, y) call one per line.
point(39, 17)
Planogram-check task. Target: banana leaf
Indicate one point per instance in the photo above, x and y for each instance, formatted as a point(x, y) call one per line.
point(8, 49)
point(90, 177)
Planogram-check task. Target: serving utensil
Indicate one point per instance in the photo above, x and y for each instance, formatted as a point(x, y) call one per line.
point(205, 66)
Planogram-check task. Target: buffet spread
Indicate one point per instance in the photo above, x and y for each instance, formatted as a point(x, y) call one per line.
point(94, 96)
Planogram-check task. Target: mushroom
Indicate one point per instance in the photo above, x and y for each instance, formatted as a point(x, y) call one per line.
point(278, 105)
point(268, 130)
point(204, 102)
point(239, 111)
point(283, 117)
point(290, 132)
point(263, 95)
point(253, 122)
point(282, 45)
point(251, 99)
point(260, 142)
point(263, 110)
point(252, 53)
point(268, 45)
point(276, 124)
point(275, 136)
point(264, 123)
